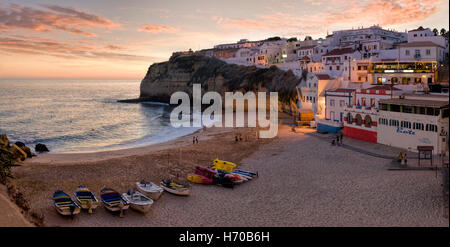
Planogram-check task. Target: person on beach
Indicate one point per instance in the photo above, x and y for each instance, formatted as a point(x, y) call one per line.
point(193, 140)
point(236, 139)
point(399, 157)
point(337, 140)
point(196, 139)
point(406, 160)
point(240, 137)
point(341, 135)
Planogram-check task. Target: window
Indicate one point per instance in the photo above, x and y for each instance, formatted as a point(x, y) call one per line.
point(394, 80)
point(417, 53)
point(331, 67)
point(406, 52)
point(428, 52)
point(407, 109)
point(349, 118)
point(314, 99)
point(363, 101)
point(405, 124)
point(368, 121)
point(418, 126)
point(379, 80)
point(395, 108)
point(372, 102)
point(359, 67)
point(430, 111)
point(393, 122)
point(331, 102)
point(431, 127)
point(337, 67)
point(342, 103)
point(358, 119)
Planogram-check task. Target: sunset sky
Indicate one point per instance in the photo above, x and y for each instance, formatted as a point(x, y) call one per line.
point(119, 39)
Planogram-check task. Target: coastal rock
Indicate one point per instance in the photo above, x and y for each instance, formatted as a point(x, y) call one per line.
point(4, 141)
point(180, 73)
point(41, 148)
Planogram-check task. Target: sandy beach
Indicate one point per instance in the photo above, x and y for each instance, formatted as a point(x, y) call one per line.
point(304, 181)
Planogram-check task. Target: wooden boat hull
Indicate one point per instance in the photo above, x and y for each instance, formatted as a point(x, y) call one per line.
point(67, 212)
point(116, 208)
point(85, 205)
point(141, 208)
point(183, 192)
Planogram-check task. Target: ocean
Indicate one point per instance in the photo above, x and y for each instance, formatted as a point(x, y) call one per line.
point(82, 115)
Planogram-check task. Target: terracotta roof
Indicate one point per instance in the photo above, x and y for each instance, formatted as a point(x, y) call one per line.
point(342, 90)
point(339, 51)
point(415, 102)
point(383, 87)
point(419, 44)
point(323, 77)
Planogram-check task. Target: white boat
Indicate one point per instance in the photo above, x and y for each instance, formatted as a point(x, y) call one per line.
point(149, 189)
point(138, 201)
point(175, 187)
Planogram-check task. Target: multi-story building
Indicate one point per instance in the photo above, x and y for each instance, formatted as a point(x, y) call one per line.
point(414, 120)
point(407, 75)
point(338, 60)
point(360, 119)
point(336, 101)
point(421, 51)
point(352, 36)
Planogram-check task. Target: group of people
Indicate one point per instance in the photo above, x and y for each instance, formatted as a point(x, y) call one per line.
point(338, 139)
point(195, 140)
point(238, 138)
point(402, 159)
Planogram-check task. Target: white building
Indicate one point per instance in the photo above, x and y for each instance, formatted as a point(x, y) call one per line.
point(414, 120)
point(336, 102)
point(339, 60)
point(313, 92)
point(425, 34)
point(421, 51)
point(352, 36)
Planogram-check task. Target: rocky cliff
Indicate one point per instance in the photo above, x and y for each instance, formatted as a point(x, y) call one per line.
point(179, 73)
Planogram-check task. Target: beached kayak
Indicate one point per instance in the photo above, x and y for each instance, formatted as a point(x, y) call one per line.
point(199, 179)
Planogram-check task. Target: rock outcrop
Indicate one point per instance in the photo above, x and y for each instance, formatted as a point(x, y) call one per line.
point(180, 73)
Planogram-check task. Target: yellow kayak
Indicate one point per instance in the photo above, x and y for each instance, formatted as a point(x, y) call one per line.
point(223, 165)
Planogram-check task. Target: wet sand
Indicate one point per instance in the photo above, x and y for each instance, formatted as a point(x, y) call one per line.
point(304, 181)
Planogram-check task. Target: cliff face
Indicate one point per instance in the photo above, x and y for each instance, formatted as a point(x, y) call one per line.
point(178, 74)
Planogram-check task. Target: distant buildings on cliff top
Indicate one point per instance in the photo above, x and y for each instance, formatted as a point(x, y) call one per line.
point(369, 82)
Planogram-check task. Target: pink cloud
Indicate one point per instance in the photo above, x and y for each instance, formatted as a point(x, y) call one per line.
point(53, 17)
point(382, 12)
point(158, 29)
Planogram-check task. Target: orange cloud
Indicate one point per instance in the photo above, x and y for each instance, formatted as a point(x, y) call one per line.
point(157, 29)
point(382, 12)
point(39, 46)
point(52, 18)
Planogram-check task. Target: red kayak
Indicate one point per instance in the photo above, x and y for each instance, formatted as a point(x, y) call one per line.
point(199, 179)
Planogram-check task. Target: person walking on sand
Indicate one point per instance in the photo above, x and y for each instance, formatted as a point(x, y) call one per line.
point(399, 157)
point(193, 140)
point(341, 135)
point(196, 139)
point(406, 160)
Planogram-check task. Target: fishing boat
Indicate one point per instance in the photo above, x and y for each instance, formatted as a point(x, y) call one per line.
point(138, 201)
point(149, 189)
point(113, 201)
point(64, 204)
point(86, 198)
point(174, 187)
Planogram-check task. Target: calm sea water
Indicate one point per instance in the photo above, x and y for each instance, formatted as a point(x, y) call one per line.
point(82, 115)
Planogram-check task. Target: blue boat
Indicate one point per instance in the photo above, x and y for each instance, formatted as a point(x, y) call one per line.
point(64, 204)
point(113, 200)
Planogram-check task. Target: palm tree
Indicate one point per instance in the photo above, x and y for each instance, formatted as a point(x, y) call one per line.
point(435, 31)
